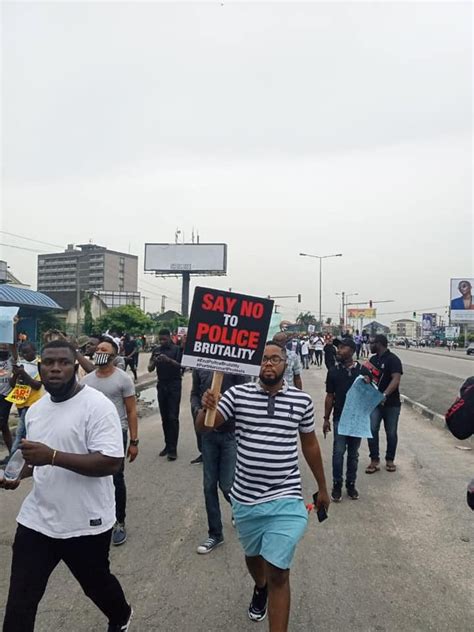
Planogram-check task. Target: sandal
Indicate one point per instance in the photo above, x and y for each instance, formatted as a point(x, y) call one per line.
point(391, 467)
point(373, 467)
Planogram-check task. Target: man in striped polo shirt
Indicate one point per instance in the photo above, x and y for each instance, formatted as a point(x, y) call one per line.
point(267, 500)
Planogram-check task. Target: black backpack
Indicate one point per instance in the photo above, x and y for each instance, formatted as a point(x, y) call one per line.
point(460, 416)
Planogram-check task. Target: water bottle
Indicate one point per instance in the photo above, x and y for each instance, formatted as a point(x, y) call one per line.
point(14, 467)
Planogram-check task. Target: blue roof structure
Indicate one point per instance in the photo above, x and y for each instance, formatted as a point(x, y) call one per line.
point(10, 295)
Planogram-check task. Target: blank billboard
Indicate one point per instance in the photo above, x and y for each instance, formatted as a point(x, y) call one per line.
point(193, 258)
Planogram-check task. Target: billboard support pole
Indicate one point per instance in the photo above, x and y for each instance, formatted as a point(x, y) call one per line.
point(185, 294)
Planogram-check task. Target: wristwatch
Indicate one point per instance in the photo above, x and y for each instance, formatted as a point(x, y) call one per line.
point(134, 442)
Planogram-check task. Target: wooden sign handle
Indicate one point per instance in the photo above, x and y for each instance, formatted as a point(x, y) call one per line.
point(217, 378)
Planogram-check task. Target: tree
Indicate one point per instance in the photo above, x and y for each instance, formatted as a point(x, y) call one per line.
point(88, 320)
point(126, 318)
point(306, 318)
point(49, 320)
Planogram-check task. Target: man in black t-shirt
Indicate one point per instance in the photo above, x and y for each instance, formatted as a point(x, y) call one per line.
point(386, 371)
point(130, 352)
point(339, 380)
point(166, 359)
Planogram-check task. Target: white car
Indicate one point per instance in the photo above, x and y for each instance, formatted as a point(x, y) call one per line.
point(470, 349)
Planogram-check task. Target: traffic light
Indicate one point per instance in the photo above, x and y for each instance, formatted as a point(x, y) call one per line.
point(370, 304)
point(414, 314)
point(299, 298)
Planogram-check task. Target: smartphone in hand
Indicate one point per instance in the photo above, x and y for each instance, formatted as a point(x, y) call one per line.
point(321, 513)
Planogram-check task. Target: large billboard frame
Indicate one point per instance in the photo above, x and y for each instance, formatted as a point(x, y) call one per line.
point(181, 268)
point(457, 297)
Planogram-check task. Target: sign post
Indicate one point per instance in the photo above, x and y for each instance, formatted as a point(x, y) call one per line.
point(226, 334)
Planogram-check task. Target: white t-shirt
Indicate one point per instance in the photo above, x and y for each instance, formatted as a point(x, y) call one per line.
point(63, 504)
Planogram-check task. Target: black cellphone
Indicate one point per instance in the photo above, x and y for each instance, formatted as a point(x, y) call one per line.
point(321, 513)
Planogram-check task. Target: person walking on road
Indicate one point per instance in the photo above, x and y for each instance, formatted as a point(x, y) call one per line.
point(339, 380)
point(8, 357)
point(330, 352)
point(293, 363)
point(117, 386)
point(130, 351)
point(305, 353)
point(166, 359)
point(318, 350)
point(26, 385)
point(267, 502)
point(218, 450)
point(386, 371)
point(73, 447)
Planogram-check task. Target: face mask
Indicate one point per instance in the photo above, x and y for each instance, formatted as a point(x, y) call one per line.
point(100, 358)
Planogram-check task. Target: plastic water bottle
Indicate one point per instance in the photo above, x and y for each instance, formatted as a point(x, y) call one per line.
point(14, 467)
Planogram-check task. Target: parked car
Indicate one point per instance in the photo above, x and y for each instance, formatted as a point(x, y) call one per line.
point(470, 349)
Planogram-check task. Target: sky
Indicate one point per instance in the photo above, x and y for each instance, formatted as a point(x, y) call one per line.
point(277, 128)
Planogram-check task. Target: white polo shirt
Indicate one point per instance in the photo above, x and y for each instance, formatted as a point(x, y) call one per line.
point(63, 504)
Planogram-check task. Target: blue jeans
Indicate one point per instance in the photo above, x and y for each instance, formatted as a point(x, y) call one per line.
point(20, 429)
point(341, 442)
point(390, 415)
point(219, 451)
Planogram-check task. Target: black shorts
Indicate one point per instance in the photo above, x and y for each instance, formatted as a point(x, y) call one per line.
point(4, 412)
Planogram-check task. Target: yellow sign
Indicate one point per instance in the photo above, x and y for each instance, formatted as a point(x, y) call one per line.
point(361, 313)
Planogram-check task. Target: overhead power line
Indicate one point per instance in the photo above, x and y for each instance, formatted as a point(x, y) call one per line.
point(23, 248)
point(38, 241)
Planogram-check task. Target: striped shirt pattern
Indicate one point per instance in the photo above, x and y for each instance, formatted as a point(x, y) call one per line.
point(266, 430)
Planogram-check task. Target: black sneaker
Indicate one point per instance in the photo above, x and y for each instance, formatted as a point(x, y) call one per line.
point(124, 627)
point(172, 456)
point(352, 491)
point(164, 452)
point(197, 460)
point(258, 606)
point(336, 493)
point(209, 545)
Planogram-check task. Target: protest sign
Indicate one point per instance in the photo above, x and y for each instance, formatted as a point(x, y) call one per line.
point(227, 332)
point(7, 324)
point(182, 331)
point(361, 400)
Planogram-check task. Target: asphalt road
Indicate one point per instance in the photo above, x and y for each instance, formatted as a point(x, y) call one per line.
point(399, 559)
point(433, 380)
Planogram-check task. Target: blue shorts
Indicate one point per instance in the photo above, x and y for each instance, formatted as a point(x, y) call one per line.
point(271, 529)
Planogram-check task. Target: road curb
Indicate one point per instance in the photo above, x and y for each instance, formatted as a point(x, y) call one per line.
point(442, 354)
point(437, 419)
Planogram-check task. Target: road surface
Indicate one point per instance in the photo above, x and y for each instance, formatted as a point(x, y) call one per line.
point(431, 379)
point(400, 558)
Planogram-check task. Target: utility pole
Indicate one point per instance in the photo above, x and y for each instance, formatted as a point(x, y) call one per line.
point(78, 297)
point(163, 306)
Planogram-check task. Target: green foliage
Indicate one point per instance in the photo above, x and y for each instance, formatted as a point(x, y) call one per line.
point(169, 323)
point(126, 318)
point(49, 320)
point(88, 320)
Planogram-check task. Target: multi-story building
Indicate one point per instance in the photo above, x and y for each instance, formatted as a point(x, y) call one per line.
point(406, 328)
point(87, 268)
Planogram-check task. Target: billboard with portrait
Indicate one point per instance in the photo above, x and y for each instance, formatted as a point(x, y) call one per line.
point(428, 323)
point(461, 300)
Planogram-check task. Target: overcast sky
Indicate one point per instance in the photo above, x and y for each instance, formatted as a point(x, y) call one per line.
point(277, 128)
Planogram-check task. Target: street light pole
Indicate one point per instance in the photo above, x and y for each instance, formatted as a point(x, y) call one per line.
point(344, 297)
point(305, 254)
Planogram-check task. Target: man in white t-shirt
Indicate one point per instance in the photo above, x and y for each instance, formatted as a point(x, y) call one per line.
point(117, 386)
point(74, 445)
